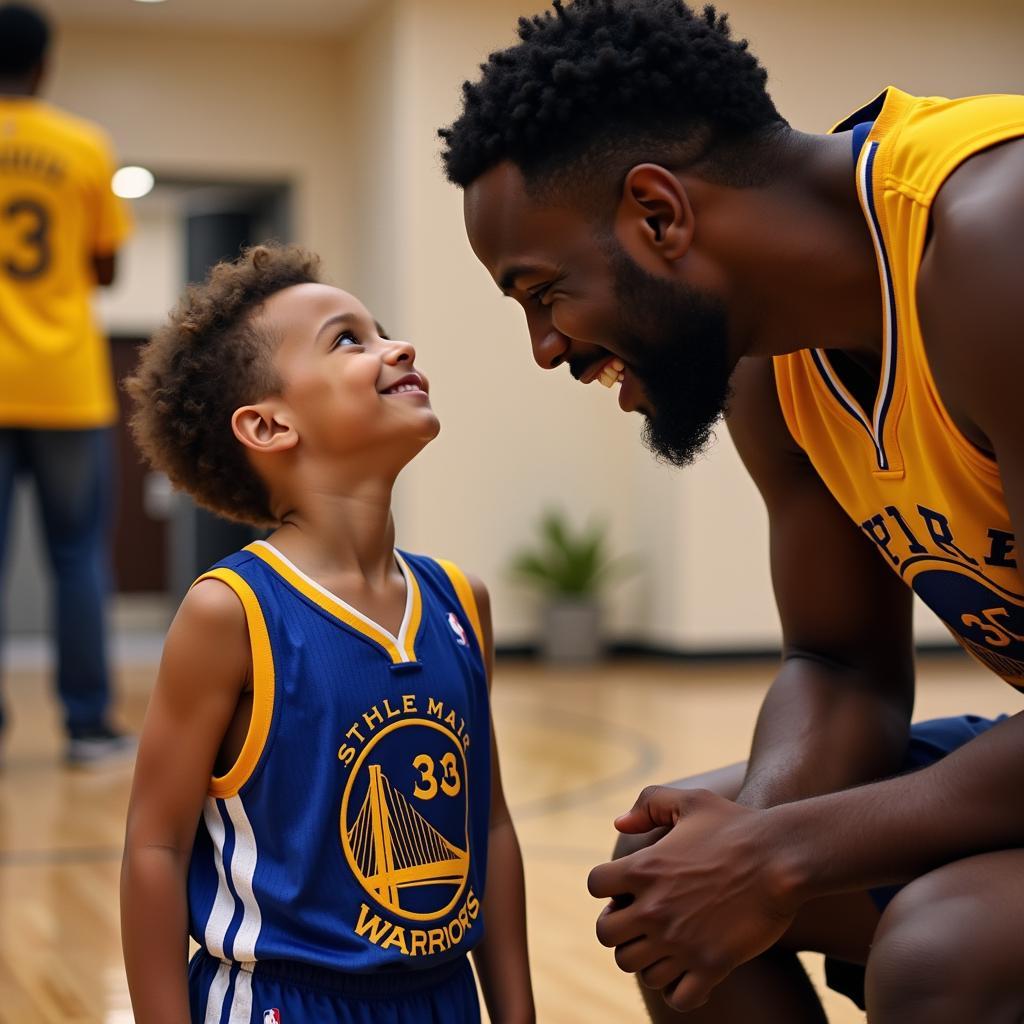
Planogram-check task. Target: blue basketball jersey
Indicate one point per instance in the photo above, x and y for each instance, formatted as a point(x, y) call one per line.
point(351, 833)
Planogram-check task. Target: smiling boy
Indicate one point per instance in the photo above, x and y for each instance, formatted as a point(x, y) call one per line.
point(317, 799)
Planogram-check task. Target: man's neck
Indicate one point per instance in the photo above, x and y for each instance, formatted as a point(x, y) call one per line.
point(15, 88)
point(797, 254)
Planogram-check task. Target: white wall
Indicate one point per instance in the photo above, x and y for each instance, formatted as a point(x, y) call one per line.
point(151, 269)
point(216, 106)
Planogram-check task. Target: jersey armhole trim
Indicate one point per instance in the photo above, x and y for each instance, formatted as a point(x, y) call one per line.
point(464, 592)
point(227, 785)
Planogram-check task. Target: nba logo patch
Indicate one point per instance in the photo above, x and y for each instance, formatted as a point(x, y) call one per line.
point(272, 1016)
point(460, 633)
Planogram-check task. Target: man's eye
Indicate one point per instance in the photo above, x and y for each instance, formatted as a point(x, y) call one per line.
point(345, 339)
point(537, 294)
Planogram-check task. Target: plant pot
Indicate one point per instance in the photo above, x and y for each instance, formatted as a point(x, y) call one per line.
point(571, 631)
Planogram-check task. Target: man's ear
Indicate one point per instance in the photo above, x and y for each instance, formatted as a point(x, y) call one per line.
point(265, 427)
point(654, 219)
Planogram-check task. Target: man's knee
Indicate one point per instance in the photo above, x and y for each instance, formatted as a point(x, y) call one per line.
point(924, 964)
point(726, 782)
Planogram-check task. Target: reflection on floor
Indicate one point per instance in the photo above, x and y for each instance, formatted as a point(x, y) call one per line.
point(576, 747)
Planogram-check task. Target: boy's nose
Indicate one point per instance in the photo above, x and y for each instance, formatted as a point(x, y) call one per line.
point(399, 352)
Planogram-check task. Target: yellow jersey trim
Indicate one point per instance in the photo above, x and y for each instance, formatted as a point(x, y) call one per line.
point(240, 772)
point(399, 649)
point(467, 598)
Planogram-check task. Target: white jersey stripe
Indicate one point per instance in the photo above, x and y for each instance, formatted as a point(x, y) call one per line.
point(215, 997)
point(241, 1002)
point(224, 903)
point(866, 194)
point(243, 867)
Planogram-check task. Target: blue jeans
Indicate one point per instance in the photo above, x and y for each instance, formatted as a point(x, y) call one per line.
point(72, 471)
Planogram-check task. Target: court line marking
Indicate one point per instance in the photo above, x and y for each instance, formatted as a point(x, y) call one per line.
point(646, 759)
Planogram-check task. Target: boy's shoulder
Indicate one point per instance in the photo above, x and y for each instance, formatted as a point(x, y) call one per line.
point(237, 560)
point(445, 569)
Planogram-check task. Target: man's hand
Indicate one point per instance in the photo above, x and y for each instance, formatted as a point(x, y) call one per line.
point(704, 899)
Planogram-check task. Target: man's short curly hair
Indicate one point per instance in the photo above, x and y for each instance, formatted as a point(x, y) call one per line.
point(212, 357)
point(24, 39)
point(597, 86)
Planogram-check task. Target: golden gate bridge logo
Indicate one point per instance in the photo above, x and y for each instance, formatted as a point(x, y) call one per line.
point(395, 847)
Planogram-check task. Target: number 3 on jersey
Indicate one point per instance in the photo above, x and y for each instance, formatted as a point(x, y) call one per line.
point(451, 784)
point(27, 224)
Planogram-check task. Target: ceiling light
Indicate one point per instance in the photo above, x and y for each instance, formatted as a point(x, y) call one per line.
point(132, 182)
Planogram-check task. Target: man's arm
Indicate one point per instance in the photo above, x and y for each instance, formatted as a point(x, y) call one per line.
point(105, 269)
point(721, 886)
point(202, 673)
point(502, 959)
point(838, 712)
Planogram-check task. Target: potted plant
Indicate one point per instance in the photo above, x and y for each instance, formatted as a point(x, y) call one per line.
point(570, 568)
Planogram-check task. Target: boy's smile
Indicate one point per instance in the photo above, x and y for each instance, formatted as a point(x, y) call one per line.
point(412, 384)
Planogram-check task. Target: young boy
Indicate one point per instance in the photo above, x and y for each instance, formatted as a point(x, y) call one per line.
point(317, 798)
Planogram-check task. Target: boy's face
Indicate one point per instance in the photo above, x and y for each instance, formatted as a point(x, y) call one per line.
point(347, 388)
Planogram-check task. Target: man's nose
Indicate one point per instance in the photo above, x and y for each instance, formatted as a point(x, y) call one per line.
point(550, 346)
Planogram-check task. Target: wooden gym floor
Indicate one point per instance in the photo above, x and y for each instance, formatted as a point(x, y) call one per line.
point(576, 748)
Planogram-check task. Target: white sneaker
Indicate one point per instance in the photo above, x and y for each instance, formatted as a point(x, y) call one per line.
point(101, 747)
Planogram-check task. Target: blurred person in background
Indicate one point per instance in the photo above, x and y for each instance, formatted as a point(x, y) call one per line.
point(60, 228)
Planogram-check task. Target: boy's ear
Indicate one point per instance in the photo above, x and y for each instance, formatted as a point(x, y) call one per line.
point(265, 427)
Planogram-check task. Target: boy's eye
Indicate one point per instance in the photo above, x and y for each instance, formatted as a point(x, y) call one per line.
point(345, 339)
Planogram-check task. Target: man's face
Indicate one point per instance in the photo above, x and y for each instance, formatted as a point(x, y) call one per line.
point(588, 302)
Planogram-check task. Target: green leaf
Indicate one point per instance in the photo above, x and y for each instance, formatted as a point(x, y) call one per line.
point(568, 562)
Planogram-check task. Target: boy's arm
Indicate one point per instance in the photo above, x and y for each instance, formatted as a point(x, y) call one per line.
point(202, 673)
point(502, 960)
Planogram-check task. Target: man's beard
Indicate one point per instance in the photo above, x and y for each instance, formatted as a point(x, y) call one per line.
point(680, 338)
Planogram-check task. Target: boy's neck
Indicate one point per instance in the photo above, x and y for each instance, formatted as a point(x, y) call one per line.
point(350, 531)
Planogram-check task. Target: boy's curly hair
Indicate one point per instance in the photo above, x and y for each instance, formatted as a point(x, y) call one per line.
point(211, 358)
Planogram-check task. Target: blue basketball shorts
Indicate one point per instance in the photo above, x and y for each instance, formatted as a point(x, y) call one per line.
point(929, 742)
point(285, 992)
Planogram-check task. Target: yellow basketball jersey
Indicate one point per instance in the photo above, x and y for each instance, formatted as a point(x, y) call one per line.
point(57, 212)
point(930, 500)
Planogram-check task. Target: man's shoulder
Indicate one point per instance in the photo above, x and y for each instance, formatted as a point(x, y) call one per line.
point(933, 135)
point(85, 136)
point(968, 296)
